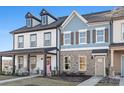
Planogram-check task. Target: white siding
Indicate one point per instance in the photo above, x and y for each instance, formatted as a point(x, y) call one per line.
point(50, 20)
point(40, 39)
point(117, 33)
point(40, 63)
point(35, 22)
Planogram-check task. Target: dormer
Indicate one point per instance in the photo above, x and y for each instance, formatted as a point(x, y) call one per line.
point(46, 17)
point(31, 20)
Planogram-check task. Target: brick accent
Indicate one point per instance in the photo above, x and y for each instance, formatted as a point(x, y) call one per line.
point(90, 69)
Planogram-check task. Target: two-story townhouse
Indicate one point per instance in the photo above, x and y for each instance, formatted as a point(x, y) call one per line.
point(36, 45)
point(85, 41)
point(117, 46)
point(81, 44)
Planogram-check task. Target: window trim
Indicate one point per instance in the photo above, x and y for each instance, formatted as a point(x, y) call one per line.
point(30, 40)
point(122, 31)
point(50, 39)
point(103, 29)
point(84, 30)
point(67, 32)
point(23, 41)
point(64, 64)
point(85, 62)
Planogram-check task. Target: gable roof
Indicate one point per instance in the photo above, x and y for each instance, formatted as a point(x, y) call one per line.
point(69, 18)
point(90, 18)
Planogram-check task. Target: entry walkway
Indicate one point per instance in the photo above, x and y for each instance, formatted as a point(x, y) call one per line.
point(91, 82)
point(15, 79)
point(121, 82)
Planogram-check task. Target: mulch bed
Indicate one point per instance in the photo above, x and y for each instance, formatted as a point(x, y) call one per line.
point(108, 82)
point(71, 78)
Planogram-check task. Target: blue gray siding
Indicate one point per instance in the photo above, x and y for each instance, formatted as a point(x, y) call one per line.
point(75, 25)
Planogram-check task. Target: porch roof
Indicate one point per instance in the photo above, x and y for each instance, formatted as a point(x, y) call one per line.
point(100, 51)
point(27, 51)
point(116, 44)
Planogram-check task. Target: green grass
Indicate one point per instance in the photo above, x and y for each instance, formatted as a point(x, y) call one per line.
point(40, 81)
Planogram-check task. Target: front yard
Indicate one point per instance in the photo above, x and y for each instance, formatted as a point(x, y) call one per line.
point(108, 82)
point(43, 81)
point(4, 77)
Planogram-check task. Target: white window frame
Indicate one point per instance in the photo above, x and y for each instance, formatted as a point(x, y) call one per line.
point(84, 30)
point(85, 63)
point(64, 64)
point(122, 31)
point(68, 32)
point(44, 20)
point(99, 29)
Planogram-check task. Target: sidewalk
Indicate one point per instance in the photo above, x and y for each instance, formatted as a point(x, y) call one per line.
point(121, 82)
point(91, 82)
point(15, 79)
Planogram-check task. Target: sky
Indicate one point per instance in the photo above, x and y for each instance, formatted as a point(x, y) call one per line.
point(12, 18)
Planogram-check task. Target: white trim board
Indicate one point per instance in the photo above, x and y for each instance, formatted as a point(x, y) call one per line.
point(90, 48)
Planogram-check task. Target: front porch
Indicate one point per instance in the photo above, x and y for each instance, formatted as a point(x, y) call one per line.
point(33, 61)
point(117, 59)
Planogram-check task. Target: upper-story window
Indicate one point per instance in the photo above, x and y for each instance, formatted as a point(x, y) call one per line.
point(28, 22)
point(82, 36)
point(20, 41)
point(100, 35)
point(122, 32)
point(44, 21)
point(47, 39)
point(67, 38)
point(33, 40)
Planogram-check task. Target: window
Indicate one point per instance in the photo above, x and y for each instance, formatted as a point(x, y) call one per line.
point(67, 39)
point(82, 63)
point(123, 32)
point(82, 37)
point(47, 39)
point(100, 35)
point(20, 62)
point(44, 20)
point(33, 40)
point(33, 62)
point(20, 41)
point(28, 22)
point(67, 61)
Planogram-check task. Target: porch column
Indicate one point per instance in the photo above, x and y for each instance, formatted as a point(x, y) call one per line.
point(45, 68)
point(0, 64)
point(28, 64)
point(13, 72)
point(112, 62)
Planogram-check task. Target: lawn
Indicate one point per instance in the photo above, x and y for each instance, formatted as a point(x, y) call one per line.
point(43, 81)
point(108, 82)
point(4, 77)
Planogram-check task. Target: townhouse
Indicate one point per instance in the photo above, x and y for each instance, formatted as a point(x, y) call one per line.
point(76, 44)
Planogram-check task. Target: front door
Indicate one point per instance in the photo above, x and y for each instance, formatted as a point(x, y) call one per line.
point(48, 66)
point(33, 63)
point(122, 66)
point(100, 66)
